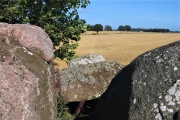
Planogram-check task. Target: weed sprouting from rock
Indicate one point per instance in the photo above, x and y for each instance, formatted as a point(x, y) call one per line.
point(63, 113)
point(79, 108)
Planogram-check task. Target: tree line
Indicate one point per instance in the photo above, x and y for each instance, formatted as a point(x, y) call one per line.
point(150, 30)
point(99, 27)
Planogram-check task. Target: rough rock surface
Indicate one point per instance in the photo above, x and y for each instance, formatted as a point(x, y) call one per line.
point(86, 59)
point(27, 89)
point(146, 89)
point(85, 82)
point(29, 36)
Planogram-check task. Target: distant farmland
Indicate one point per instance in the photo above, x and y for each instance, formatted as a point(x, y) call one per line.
point(123, 47)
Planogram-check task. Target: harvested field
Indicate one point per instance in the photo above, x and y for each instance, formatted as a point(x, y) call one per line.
point(123, 47)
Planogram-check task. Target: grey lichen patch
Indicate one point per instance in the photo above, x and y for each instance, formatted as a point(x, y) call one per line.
point(173, 97)
point(86, 59)
point(163, 107)
point(175, 68)
point(81, 77)
point(158, 117)
point(91, 80)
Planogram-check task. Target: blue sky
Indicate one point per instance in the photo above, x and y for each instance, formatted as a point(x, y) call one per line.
point(136, 13)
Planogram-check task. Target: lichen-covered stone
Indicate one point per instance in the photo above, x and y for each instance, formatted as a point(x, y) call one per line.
point(146, 89)
point(27, 89)
point(86, 59)
point(86, 82)
point(29, 36)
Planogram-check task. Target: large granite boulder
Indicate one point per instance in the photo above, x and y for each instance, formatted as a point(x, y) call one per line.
point(86, 59)
point(27, 89)
point(86, 82)
point(29, 36)
point(146, 89)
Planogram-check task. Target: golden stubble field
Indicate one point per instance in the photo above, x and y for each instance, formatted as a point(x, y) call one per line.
point(122, 47)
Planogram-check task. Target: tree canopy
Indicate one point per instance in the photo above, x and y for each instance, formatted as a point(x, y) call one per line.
point(127, 27)
point(98, 27)
point(59, 18)
point(121, 28)
point(90, 28)
point(108, 28)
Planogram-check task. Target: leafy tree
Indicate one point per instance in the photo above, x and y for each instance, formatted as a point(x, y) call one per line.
point(127, 27)
point(91, 28)
point(98, 27)
point(59, 18)
point(108, 28)
point(88, 26)
point(121, 28)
